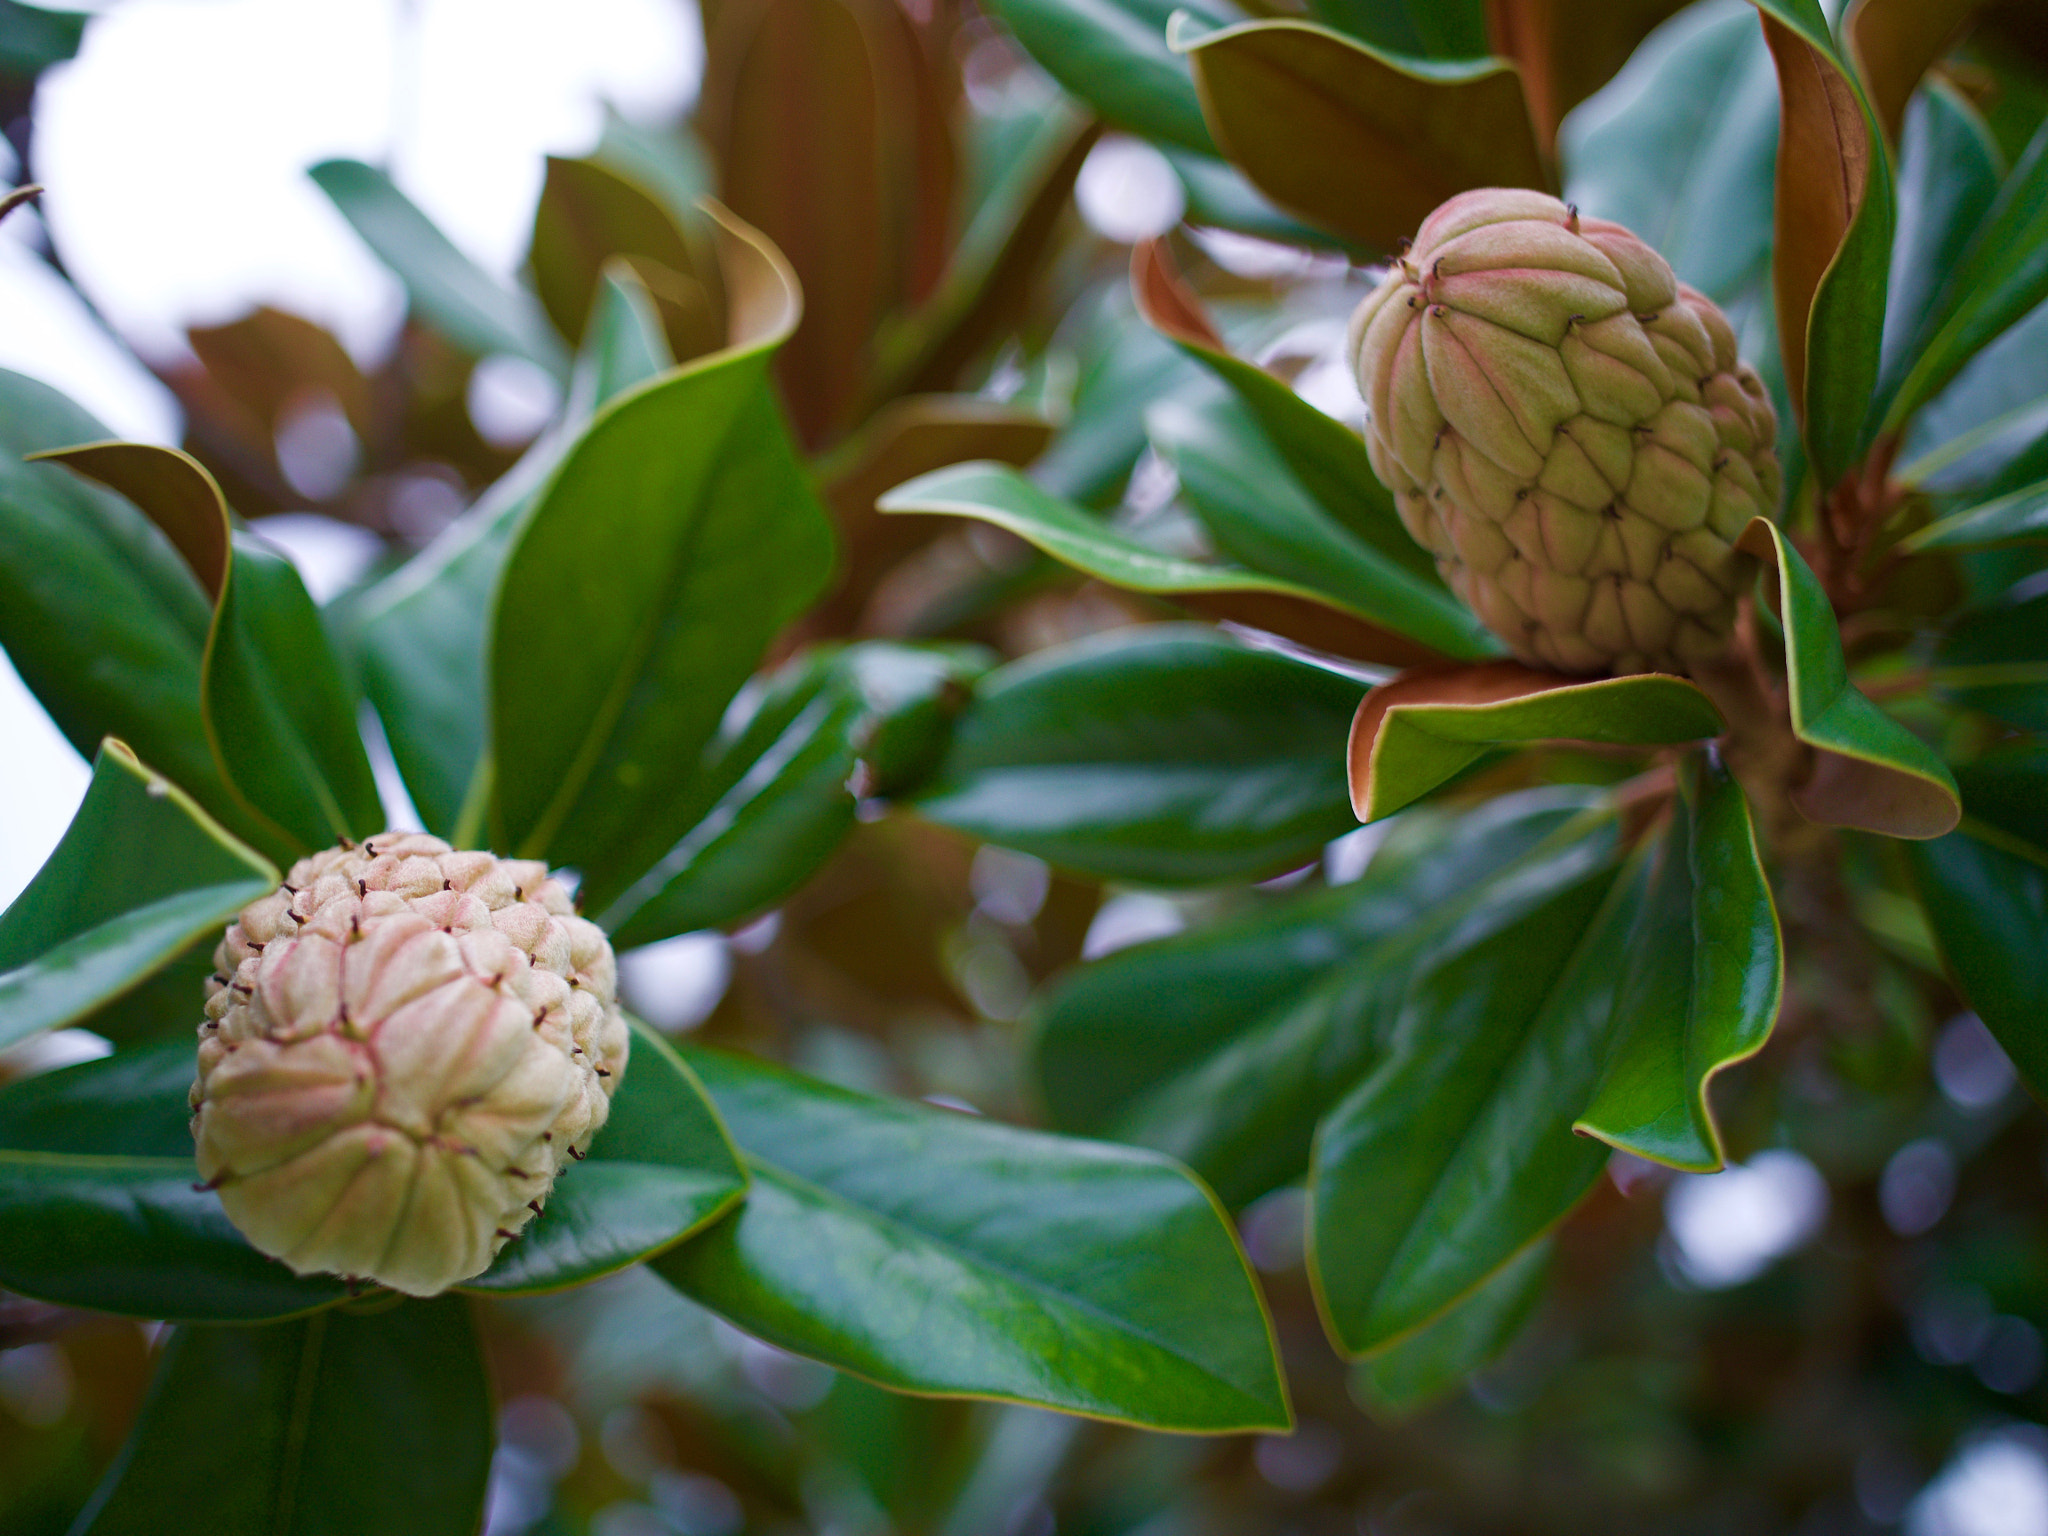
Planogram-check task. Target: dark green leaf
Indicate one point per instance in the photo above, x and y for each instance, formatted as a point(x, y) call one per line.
point(1996, 659)
point(1706, 969)
point(1113, 55)
point(140, 873)
point(1423, 29)
point(1167, 754)
point(1426, 1367)
point(98, 1206)
point(938, 1252)
point(1427, 726)
point(2020, 517)
point(448, 291)
point(661, 1169)
point(347, 1422)
point(1870, 771)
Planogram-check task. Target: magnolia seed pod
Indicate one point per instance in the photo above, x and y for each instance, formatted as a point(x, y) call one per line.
point(403, 1047)
point(1568, 430)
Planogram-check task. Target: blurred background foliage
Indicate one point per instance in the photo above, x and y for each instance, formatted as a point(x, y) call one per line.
point(1842, 1334)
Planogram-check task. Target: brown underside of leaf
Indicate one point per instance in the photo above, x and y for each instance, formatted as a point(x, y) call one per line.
point(172, 489)
point(1167, 303)
point(1894, 41)
point(1567, 49)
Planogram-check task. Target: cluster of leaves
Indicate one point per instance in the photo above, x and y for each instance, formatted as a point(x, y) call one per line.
point(687, 646)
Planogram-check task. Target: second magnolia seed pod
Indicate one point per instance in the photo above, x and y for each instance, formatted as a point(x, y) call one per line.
point(403, 1047)
point(1568, 429)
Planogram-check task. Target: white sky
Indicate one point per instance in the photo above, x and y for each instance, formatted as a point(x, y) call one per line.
point(174, 149)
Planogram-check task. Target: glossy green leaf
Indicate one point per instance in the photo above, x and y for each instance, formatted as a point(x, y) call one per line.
point(448, 291)
point(140, 873)
point(938, 1252)
point(1358, 141)
point(1426, 727)
point(1223, 1047)
point(99, 1208)
point(1996, 659)
point(1428, 1366)
point(421, 631)
point(2020, 517)
point(1869, 771)
point(371, 1418)
point(98, 612)
point(273, 700)
point(1260, 515)
point(661, 1169)
point(1985, 890)
point(1423, 29)
point(1168, 754)
point(616, 643)
point(780, 785)
point(1112, 54)
point(1456, 1152)
point(1706, 970)
point(2000, 277)
point(1679, 147)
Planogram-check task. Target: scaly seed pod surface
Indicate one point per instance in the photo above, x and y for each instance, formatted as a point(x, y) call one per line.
point(1568, 429)
point(402, 1049)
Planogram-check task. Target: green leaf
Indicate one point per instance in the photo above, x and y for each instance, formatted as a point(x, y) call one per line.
point(363, 1419)
point(275, 706)
point(1423, 29)
point(448, 291)
point(1706, 971)
point(1985, 890)
point(780, 785)
point(1427, 726)
point(1456, 1153)
point(421, 631)
point(32, 39)
point(98, 612)
point(1167, 754)
point(1361, 142)
point(1113, 55)
point(1996, 659)
point(2020, 517)
point(1870, 772)
point(1428, 1366)
point(1124, 366)
point(140, 873)
point(943, 1253)
point(2002, 275)
point(1680, 148)
point(1259, 514)
point(616, 641)
point(660, 1170)
point(1225, 1046)
point(99, 1209)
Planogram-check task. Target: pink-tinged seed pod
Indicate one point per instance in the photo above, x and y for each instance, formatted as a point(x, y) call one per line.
point(1568, 429)
point(402, 1048)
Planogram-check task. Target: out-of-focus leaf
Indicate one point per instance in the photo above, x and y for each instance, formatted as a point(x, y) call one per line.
point(1869, 771)
point(308, 1459)
point(1429, 725)
point(1125, 365)
point(420, 632)
point(589, 214)
point(1327, 457)
point(661, 1169)
point(2021, 517)
point(1223, 1047)
point(1985, 889)
point(99, 1208)
point(266, 361)
point(98, 612)
point(1168, 754)
point(616, 643)
point(943, 1253)
point(1706, 969)
point(1893, 42)
point(1352, 139)
point(1680, 147)
point(140, 873)
point(1456, 1152)
point(1996, 659)
point(272, 697)
point(1218, 196)
point(32, 39)
point(780, 784)
point(1428, 1366)
point(1948, 176)
point(994, 493)
point(1566, 53)
point(1258, 513)
point(448, 291)
point(2000, 277)
point(1113, 55)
